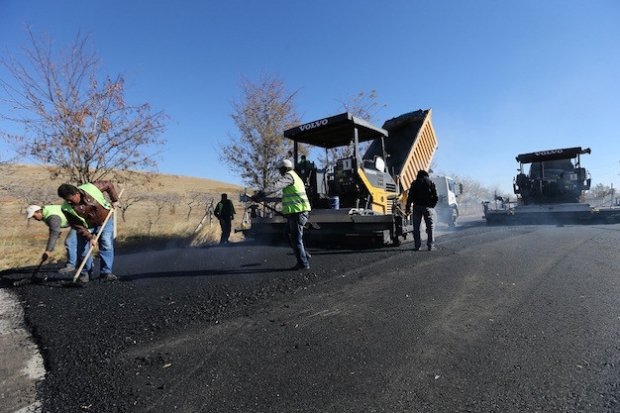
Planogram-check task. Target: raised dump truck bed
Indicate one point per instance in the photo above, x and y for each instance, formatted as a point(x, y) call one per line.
point(360, 196)
point(411, 145)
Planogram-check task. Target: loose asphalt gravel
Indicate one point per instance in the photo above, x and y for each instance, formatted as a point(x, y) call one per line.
point(519, 319)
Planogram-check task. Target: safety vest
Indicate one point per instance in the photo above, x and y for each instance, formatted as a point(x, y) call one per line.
point(93, 191)
point(220, 206)
point(49, 210)
point(294, 198)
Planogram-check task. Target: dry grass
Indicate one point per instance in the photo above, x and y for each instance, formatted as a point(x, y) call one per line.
point(163, 212)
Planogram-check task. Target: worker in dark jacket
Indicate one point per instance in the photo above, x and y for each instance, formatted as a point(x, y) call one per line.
point(423, 195)
point(86, 209)
point(52, 216)
point(225, 213)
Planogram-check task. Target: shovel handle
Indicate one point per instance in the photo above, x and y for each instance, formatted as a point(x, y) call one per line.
point(36, 271)
point(266, 206)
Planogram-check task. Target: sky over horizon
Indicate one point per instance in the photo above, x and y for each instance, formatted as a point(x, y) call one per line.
point(502, 78)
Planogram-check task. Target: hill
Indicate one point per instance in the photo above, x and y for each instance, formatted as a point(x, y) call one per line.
point(156, 210)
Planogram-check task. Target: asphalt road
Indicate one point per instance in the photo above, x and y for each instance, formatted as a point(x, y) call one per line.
point(497, 319)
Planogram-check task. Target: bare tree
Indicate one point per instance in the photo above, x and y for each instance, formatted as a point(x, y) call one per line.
point(129, 200)
point(197, 199)
point(600, 190)
point(191, 201)
point(71, 120)
point(209, 213)
point(364, 105)
point(475, 193)
point(159, 201)
point(26, 194)
point(265, 110)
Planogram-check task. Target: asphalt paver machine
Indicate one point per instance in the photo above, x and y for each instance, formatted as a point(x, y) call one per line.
point(550, 192)
point(360, 197)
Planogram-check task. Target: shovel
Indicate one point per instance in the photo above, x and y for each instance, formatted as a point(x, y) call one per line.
point(309, 225)
point(31, 279)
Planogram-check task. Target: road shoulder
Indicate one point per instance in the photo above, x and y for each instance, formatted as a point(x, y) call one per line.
point(21, 364)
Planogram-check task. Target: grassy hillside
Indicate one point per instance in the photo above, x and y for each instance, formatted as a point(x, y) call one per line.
point(165, 210)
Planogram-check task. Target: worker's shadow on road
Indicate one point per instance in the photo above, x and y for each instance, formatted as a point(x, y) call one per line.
point(257, 267)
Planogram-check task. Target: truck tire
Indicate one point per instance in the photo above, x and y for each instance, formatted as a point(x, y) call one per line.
point(454, 216)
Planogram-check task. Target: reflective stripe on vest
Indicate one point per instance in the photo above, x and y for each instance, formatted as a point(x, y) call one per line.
point(93, 191)
point(49, 210)
point(294, 198)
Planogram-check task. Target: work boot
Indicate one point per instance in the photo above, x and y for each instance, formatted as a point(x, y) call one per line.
point(84, 278)
point(300, 266)
point(108, 277)
point(67, 269)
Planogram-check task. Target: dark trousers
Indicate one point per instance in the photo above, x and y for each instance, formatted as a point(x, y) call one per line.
point(420, 212)
point(226, 225)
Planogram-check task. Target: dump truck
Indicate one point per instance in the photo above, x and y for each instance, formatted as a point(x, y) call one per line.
point(550, 192)
point(359, 198)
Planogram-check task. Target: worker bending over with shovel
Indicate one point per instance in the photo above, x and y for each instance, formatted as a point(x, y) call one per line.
point(295, 208)
point(90, 214)
point(52, 216)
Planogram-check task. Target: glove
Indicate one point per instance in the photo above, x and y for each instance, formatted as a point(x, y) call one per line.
point(258, 196)
point(45, 256)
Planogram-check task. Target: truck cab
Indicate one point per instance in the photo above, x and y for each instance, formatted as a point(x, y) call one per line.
point(447, 208)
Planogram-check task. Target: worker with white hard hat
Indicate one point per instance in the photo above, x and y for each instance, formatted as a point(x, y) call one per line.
point(54, 218)
point(295, 208)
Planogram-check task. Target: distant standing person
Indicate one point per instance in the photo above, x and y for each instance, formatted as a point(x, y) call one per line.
point(423, 195)
point(52, 216)
point(86, 209)
point(225, 213)
point(304, 164)
point(295, 208)
point(305, 169)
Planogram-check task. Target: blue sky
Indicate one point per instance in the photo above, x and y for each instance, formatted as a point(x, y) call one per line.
point(502, 77)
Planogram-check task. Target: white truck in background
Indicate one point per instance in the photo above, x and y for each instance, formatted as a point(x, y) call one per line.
point(447, 209)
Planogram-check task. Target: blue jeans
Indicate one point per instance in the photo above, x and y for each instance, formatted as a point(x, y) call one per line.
point(106, 249)
point(71, 246)
point(420, 212)
point(294, 233)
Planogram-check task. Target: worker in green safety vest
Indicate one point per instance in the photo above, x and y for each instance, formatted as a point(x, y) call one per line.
point(87, 209)
point(225, 213)
point(295, 208)
point(52, 216)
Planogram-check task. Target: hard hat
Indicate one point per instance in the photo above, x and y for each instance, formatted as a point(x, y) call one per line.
point(31, 210)
point(285, 163)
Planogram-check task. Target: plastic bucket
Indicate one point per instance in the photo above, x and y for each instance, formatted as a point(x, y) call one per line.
point(334, 202)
